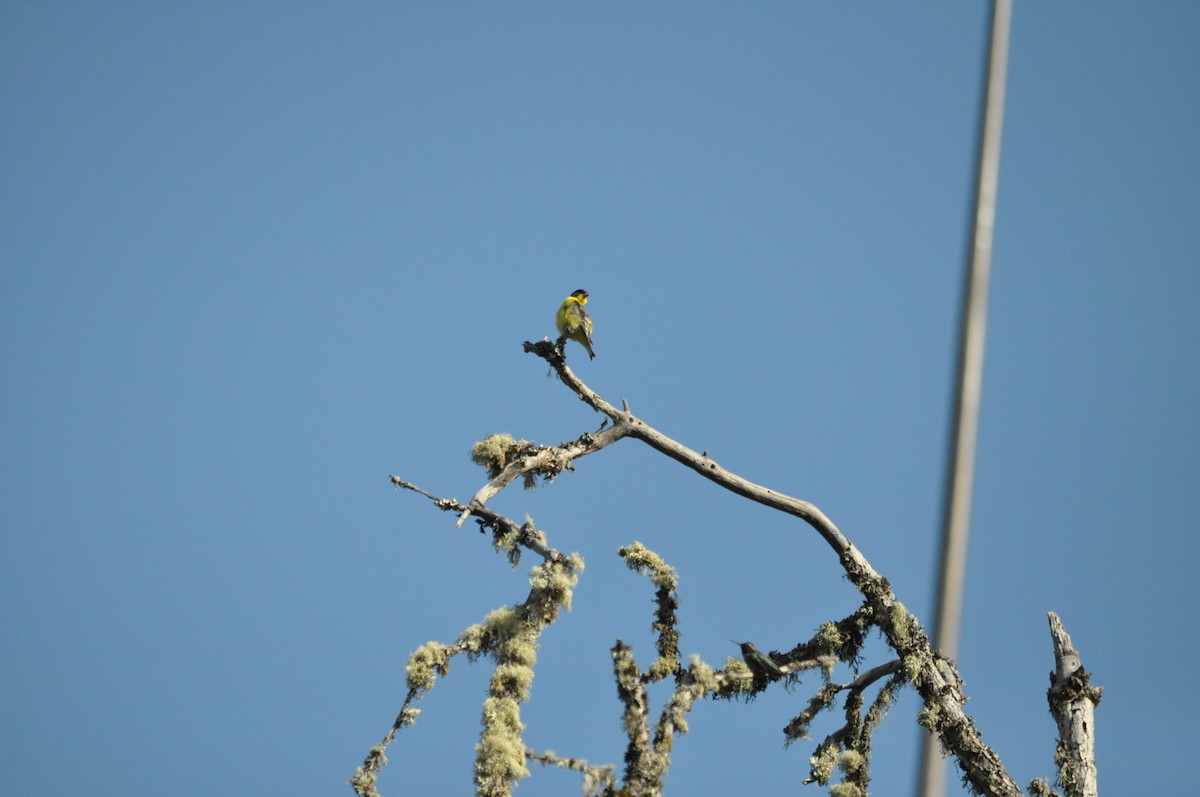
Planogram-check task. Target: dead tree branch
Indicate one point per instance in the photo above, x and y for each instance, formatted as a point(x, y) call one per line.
point(1073, 701)
point(934, 678)
point(509, 636)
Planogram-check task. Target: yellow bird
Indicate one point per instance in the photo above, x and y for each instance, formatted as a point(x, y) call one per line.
point(574, 322)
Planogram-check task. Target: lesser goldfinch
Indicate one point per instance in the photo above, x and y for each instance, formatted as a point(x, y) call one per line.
point(574, 322)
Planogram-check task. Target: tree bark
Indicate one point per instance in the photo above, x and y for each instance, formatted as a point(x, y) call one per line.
point(1072, 702)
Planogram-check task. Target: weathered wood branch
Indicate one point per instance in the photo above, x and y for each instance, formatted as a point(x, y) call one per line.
point(508, 635)
point(644, 768)
point(934, 678)
point(1072, 702)
point(548, 458)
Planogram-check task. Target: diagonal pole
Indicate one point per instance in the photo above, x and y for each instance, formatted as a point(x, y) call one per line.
point(961, 471)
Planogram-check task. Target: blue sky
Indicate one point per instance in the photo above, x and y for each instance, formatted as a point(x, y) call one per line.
point(256, 257)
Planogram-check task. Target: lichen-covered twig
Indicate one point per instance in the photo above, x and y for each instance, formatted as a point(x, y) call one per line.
point(666, 601)
point(507, 536)
point(643, 770)
point(525, 459)
point(509, 635)
point(597, 780)
point(647, 758)
point(849, 747)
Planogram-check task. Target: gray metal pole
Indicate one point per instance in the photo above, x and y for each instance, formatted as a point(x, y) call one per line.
point(961, 472)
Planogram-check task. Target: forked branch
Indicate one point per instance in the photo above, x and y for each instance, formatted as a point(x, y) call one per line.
point(934, 678)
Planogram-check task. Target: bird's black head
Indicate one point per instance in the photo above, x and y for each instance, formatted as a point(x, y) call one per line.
point(580, 294)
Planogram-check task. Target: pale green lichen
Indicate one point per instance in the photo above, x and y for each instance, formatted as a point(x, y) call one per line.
point(501, 624)
point(823, 762)
point(702, 674)
point(930, 718)
point(363, 781)
point(500, 754)
point(740, 676)
point(912, 669)
point(851, 761)
point(519, 649)
point(830, 637)
point(532, 535)
point(1040, 787)
point(552, 584)
point(424, 663)
point(471, 640)
point(492, 453)
point(661, 668)
point(498, 451)
point(900, 629)
point(506, 540)
point(514, 680)
point(645, 561)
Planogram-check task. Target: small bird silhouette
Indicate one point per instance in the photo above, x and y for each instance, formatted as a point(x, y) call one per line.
point(762, 665)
